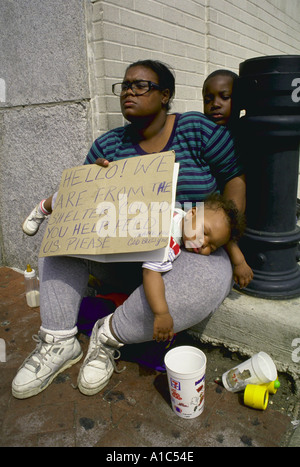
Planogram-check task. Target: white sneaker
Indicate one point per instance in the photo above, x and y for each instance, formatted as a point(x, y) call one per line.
point(32, 223)
point(50, 358)
point(99, 363)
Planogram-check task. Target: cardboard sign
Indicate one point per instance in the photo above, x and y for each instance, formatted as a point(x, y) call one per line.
point(123, 208)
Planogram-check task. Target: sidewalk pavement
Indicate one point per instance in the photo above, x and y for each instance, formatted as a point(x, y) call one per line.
point(134, 410)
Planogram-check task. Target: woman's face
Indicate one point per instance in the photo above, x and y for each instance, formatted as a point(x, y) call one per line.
point(149, 104)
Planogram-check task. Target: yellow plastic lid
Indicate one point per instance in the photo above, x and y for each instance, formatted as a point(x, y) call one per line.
point(256, 396)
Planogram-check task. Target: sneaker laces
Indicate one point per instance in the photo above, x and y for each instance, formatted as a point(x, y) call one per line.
point(109, 353)
point(39, 354)
point(36, 217)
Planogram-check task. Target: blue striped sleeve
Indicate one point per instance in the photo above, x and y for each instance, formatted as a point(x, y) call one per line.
point(220, 155)
point(94, 153)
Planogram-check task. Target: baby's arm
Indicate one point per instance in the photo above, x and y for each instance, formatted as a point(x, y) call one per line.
point(154, 288)
point(242, 273)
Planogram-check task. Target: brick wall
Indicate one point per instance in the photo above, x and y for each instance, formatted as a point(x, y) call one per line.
point(123, 31)
point(194, 37)
point(242, 29)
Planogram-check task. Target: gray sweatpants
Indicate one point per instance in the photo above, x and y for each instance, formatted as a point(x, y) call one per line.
point(195, 287)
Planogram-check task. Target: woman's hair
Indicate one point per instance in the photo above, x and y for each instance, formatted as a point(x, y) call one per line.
point(236, 220)
point(165, 76)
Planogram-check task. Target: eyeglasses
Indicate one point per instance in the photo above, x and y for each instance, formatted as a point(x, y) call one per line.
point(139, 87)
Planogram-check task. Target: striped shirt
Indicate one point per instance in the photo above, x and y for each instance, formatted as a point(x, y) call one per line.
point(204, 150)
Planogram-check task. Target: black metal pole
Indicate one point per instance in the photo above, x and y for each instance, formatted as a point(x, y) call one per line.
point(269, 143)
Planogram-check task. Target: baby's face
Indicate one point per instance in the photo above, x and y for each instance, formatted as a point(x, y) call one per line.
point(204, 232)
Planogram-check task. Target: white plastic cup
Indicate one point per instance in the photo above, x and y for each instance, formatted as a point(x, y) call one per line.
point(186, 367)
point(259, 369)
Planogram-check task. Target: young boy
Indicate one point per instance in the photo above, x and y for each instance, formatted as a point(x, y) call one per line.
point(219, 107)
point(217, 97)
point(202, 234)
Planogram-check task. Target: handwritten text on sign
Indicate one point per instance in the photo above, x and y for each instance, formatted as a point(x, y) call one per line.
point(125, 207)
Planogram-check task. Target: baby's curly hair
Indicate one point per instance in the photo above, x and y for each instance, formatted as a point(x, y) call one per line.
point(236, 220)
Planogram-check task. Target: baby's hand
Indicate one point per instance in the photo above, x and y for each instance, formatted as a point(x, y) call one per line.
point(163, 327)
point(102, 162)
point(242, 274)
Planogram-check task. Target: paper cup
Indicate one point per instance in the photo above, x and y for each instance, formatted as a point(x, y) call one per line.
point(259, 369)
point(186, 367)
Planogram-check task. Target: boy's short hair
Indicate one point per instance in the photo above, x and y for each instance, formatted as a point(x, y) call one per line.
point(221, 72)
point(236, 220)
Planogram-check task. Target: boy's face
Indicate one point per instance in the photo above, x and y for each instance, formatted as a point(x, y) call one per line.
point(205, 235)
point(217, 99)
